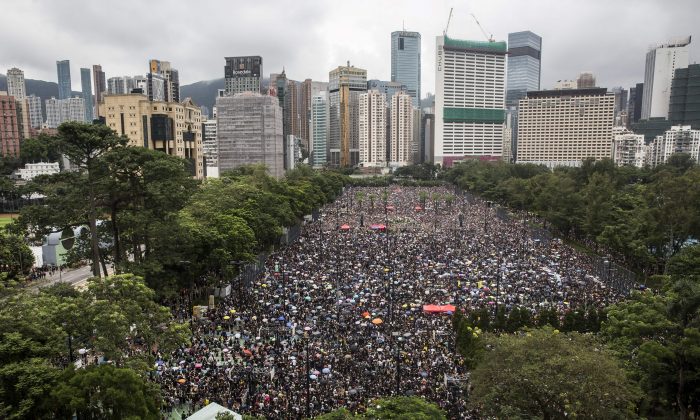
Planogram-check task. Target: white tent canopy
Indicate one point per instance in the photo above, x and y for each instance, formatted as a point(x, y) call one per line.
point(210, 411)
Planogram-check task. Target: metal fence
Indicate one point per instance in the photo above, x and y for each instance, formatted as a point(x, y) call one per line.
point(614, 275)
point(249, 272)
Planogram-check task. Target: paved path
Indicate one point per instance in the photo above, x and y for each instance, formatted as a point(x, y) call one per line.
point(75, 277)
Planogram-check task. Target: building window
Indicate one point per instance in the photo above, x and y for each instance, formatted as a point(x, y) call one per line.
point(401, 43)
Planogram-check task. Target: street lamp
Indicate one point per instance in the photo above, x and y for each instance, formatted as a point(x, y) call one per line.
point(188, 265)
point(238, 264)
point(399, 340)
point(307, 336)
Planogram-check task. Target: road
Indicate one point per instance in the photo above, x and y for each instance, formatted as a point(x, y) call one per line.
point(75, 277)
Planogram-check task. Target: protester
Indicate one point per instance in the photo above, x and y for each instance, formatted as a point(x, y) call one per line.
point(348, 302)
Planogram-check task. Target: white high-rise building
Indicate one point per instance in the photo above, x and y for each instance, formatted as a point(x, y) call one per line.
point(59, 111)
point(402, 119)
point(469, 99)
point(15, 84)
point(34, 105)
point(679, 139)
point(629, 149)
point(564, 127)
point(209, 144)
point(372, 128)
point(318, 130)
point(661, 64)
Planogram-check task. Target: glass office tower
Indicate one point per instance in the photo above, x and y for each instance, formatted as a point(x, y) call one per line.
point(405, 62)
point(524, 69)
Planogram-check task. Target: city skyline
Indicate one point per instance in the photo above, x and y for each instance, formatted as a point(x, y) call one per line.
point(329, 38)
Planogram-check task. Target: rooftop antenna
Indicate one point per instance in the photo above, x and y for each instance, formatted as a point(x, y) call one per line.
point(403, 23)
point(488, 37)
point(449, 18)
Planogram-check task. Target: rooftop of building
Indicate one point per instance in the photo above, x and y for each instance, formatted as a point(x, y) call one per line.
point(406, 33)
point(555, 93)
point(480, 46)
point(674, 43)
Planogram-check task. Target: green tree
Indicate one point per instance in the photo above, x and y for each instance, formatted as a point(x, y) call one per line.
point(122, 306)
point(43, 148)
point(16, 258)
point(408, 408)
point(658, 337)
point(545, 374)
point(84, 145)
point(106, 392)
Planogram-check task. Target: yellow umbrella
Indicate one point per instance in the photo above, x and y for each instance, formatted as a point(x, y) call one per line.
point(377, 321)
point(227, 317)
point(233, 311)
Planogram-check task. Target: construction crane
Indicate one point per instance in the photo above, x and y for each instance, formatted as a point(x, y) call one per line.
point(489, 37)
point(449, 18)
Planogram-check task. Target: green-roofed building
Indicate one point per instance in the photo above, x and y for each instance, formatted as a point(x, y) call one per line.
point(469, 100)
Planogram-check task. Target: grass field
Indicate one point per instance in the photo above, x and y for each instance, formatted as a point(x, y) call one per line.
point(5, 219)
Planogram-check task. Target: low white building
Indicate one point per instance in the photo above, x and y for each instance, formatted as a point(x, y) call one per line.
point(32, 170)
point(629, 149)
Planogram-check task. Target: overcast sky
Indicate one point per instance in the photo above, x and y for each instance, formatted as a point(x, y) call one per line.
point(310, 37)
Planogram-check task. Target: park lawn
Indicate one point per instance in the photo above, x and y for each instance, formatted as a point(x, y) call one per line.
point(5, 220)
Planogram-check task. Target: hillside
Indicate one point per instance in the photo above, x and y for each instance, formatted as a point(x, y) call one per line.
point(202, 92)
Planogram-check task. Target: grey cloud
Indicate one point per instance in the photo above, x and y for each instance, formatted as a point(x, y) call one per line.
point(311, 37)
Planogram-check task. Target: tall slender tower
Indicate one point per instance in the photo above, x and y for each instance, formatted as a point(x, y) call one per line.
point(402, 125)
point(345, 84)
point(64, 83)
point(86, 86)
point(469, 125)
point(98, 76)
point(405, 62)
point(372, 128)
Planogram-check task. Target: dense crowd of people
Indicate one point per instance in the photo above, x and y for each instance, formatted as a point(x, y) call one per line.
point(337, 317)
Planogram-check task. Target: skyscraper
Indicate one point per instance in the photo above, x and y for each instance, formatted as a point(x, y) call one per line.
point(563, 127)
point(402, 130)
point(64, 83)
point(86, 86)
point(162, 70)
point(620, 104)
point(243, 74)
point(469, 125)
point(15, 84)
point(405, 62)
point(34, 105)
point(100, 86)
point(59, 111)
point(524, 74)
point(318, 130)
point(249, 131)
point(586, 80)
point(386, 87)
point(10, 130)
point(345, 84)
point(661, 63)
point(524, 65)
point(209, 144)
point(372, 128)
point(634, 107)
point(684, 107)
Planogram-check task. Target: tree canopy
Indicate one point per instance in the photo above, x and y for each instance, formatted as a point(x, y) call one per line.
point(547, 374)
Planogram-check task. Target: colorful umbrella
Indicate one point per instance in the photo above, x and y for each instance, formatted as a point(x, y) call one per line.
point(377, 321)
